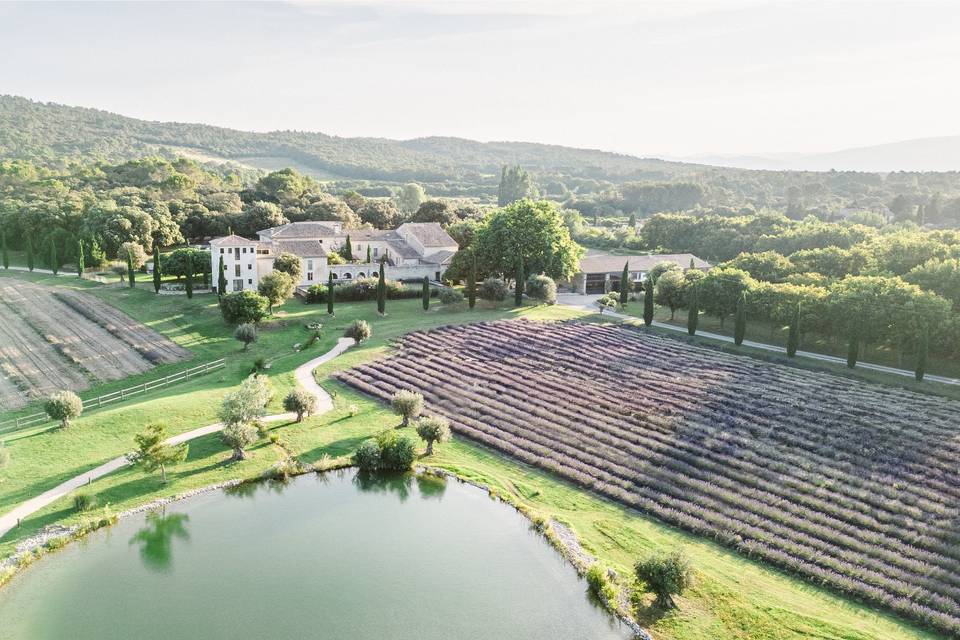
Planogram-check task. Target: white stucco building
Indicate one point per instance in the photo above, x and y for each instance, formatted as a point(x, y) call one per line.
point(410, 252)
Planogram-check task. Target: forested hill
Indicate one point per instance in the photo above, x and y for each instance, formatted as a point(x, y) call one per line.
point(51, 134)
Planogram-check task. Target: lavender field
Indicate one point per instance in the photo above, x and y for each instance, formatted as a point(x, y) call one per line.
point(847, 484)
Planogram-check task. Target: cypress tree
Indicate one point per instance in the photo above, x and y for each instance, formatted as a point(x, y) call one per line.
point(853, 349)
point(54, 262)
point(369, 255)
point(330, 294)
point(6, 254)
point(426, 293)
point(382, 292)
point(130, 274)
point(920, 215)
point(648, 301)
point(922, 350)
point(518, 288)
point(156, 267)
point(348, 249)
point(472, 284)
point(692, 265)
point(189, 275)
point(80, 259)
point(625, 284)
point(740, 321)
point(206, 274)
point(693, 313)
point(29, 253)
point(793, 338)
point(221, 279)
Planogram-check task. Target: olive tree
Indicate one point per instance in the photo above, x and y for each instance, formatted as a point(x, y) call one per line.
point(246, 333)
point(63, 406)
point(300, 402)
point(665, 576)
point(153, 453)
point(407, 404)
point(433, 429)
point(360, 330)
point(239, 412)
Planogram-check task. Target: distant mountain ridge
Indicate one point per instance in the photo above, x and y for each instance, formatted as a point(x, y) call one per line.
point(920, 154)
point(50, 133)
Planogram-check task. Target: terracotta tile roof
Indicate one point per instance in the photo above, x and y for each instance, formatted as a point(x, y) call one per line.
point(302, 248)
point(430, 234)
point(614, 264)
point(232, 241)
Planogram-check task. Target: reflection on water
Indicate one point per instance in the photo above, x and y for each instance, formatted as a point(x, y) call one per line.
point(156, 539)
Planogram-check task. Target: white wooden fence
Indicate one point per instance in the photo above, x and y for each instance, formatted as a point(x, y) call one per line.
point(118, 396)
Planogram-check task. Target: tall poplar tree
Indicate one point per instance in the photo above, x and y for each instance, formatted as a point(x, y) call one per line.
point(130, 273)
point(740, 320)
point(426, 293)
point(156, 267)
point(330, 294)
point(793, 337)
point(625, 284)
point(472, 284)
point(382, 292)
point(80, 259)
point(29, 253)
point(369, 255)
point(348, 249)
point(518, 287)
point(206, 274)
point(693, 313)
point(648, 301)
point(54, 261)
point(190, 275)
point(922, 350)
point(853, 349)
point(6, 254)
point(221, 279)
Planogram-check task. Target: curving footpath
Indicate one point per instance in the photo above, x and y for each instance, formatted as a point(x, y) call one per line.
point(303, 376)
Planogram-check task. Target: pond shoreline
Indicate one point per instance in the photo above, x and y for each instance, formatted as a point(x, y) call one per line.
point(558, 535)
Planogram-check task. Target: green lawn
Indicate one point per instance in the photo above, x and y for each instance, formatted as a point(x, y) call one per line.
point(733, 597)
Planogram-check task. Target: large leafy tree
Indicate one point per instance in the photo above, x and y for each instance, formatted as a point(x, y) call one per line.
point(411, 197)
point(719, 291)
point(532, 233)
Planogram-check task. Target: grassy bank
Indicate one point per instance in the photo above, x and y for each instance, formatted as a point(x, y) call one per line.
point(734, 597)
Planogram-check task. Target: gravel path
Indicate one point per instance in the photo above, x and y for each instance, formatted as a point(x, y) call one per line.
point(303, 376)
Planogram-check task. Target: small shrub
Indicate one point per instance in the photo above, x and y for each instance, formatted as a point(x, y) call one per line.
point(360, 330)
point(608, 301)
point(493, 289)
point(451, 296)
point(245, 333)
point(367, 455)
point(542, 288)
point(397, 452)
point(600, 584)
point(58, 542)
point(665, 576)
point(84, 501)
point(64, 406)
point(284, 469)
point(353, 410)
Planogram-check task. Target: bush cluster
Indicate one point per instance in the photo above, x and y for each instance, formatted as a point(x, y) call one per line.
point(389, 451)
point(363, 289)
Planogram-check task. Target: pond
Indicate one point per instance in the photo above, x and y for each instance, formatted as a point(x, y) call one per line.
point(337, 555)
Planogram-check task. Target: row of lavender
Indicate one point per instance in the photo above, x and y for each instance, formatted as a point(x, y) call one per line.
point(845, 483)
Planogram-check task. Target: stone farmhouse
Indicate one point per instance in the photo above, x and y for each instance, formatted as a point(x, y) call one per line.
point(600, 273)
point(409, 252)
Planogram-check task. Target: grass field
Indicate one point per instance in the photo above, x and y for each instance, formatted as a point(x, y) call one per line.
point(733, 598)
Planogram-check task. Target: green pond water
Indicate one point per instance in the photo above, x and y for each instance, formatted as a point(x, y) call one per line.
point(332, 556)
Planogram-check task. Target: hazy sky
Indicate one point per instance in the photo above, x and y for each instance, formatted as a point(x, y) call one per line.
point(648, 78)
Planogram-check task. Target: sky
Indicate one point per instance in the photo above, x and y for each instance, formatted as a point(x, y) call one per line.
point(670, 78)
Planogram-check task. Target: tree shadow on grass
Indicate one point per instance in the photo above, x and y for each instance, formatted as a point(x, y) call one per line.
point(333, 449)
